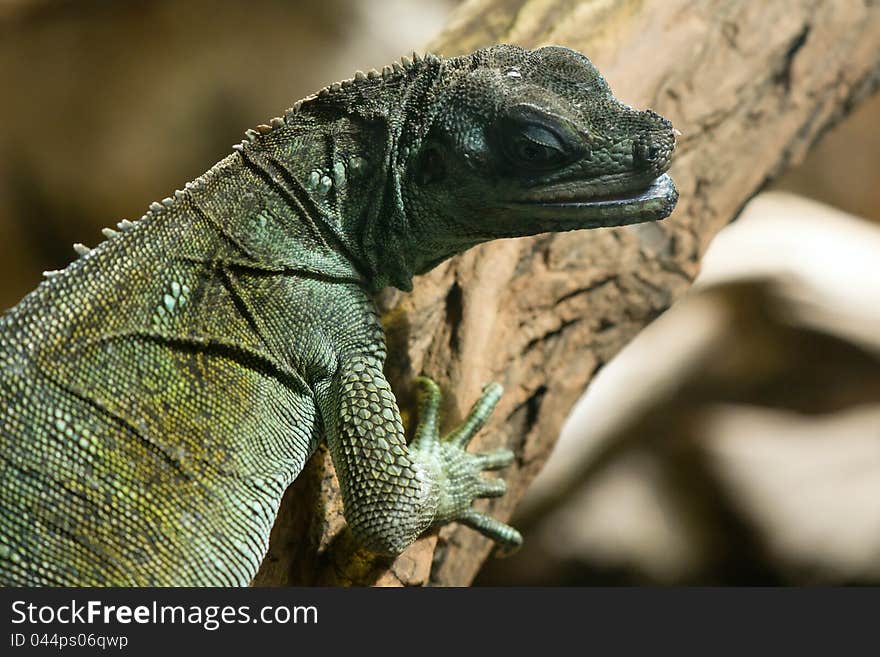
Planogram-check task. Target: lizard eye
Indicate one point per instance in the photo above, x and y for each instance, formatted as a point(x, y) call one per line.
point(533, 146)
point(537, 147)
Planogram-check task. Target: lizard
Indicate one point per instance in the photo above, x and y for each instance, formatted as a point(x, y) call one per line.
point(163, 390)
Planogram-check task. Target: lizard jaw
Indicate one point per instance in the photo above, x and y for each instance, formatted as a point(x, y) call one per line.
point(654, 202)
point(651, 203)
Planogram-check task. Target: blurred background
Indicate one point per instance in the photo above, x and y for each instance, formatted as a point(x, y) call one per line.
point(735, 441)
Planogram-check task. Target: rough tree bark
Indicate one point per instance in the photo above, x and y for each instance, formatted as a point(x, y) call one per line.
point(750, 84)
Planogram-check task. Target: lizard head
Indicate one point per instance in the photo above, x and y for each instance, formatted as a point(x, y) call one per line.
point(519, 142)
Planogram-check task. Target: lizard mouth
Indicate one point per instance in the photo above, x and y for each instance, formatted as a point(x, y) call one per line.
point(654, 201)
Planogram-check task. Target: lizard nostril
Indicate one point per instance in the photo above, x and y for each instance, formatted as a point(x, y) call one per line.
point(647, 154)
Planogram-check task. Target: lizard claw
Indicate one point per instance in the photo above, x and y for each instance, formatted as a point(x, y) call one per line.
point(496, 460)
point(508, 539)
point(475, 420)
point(457, 472)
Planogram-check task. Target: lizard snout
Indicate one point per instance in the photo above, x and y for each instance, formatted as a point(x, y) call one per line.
point(652, 148)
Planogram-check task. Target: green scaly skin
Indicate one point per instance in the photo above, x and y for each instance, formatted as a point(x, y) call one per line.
point(163, 390)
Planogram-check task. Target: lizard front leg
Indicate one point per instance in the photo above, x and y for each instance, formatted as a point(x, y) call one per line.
point(392, 492)
point(458, 471)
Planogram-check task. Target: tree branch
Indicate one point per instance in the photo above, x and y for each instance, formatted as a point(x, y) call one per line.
point(751, 85)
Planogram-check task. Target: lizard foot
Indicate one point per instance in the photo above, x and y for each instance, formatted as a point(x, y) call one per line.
point(459, 473)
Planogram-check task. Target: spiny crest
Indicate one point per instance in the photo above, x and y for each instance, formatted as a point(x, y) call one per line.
point(125, 226)
point(397, 70)
point(157, 207)
point(82, 250)
point(407, 66)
